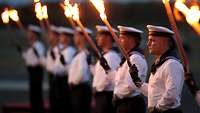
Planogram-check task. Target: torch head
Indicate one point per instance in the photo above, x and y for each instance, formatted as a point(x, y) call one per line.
point(75, 12)
point(99, 5)
point(44, 12)
point(5, 16)
point(13, 14)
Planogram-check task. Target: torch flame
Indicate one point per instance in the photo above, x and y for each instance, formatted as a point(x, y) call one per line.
point(38, 7)
point(164, 1)
point(66, 2)
point(182, 7)
point(14, 15)
point(99, 5)
point(38, 10)
point(71, 11)
point(193, 15)
point(44, 12)
point(36, 1)
point(75, 12)
point(5, 16)
point(68, 10)
point(41, 11)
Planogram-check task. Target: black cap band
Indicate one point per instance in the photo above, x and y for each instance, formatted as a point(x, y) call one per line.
point(134, 34)
point(164, 34)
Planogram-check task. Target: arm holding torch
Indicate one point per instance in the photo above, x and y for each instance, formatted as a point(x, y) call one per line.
point(99, 5)
point(92, 44)
point(188, 76)
point(5, 19)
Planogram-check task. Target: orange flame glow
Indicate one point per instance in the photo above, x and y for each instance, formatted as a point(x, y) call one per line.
point(75, 12)
point(182, 7)
point(35, 1)
point(164, 1)
point(41, 11)
point(71, 11)
point(44, 12)
point(193, 15)
point(13, 14)
point(68, 9)
point(5, 16)
point(99, 5)
point(38, 10)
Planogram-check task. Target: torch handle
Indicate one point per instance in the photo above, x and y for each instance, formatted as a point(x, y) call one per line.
point(177, 36)
point(92, 44)
point(47, 23)
point(115, 37)
point(190, 82)
point(72, 24)
point(20, 25)
point(42, 26)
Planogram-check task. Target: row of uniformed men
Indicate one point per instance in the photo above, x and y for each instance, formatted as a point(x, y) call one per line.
point(114, 80)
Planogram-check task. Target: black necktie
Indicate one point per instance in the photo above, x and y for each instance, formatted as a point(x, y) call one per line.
point(35, 52)
point(52, 55)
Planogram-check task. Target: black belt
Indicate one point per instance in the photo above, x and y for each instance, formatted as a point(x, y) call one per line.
point(118, 101)
point(103, 93)
point(174, 110)
point(80, 85)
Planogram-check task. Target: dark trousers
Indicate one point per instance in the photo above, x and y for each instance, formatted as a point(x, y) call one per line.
point(176, 110)
point(104, 102)
point(60, 95)
point(51, 92)
point(131, 105)
point(35, 89)
point(81, 98)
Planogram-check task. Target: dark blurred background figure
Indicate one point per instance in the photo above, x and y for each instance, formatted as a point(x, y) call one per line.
point(61, 89)
point(103, 82)
point(49, 62)
point(33, 58)
point(80, 77)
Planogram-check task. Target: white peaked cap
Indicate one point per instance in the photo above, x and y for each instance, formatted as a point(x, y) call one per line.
point(34, 28)
point(86, 29)
point(54, 28)
point(101, 28)
point(66, 30)
point(159, 30)
point(124, 29)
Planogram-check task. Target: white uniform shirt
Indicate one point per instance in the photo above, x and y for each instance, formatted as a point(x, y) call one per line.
point(31, 59)
point(79, 69)
point(50, 62)
point(124, 86)
point(165, 86)
point(103, 81)
point(60, 69)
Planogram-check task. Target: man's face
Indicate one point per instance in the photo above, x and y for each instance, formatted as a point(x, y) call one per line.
point(64, 39)
point(102, 40)
point(127, 42)
point(157, 45)
point(78, 39)
point(52, 37)
point(31, 36)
